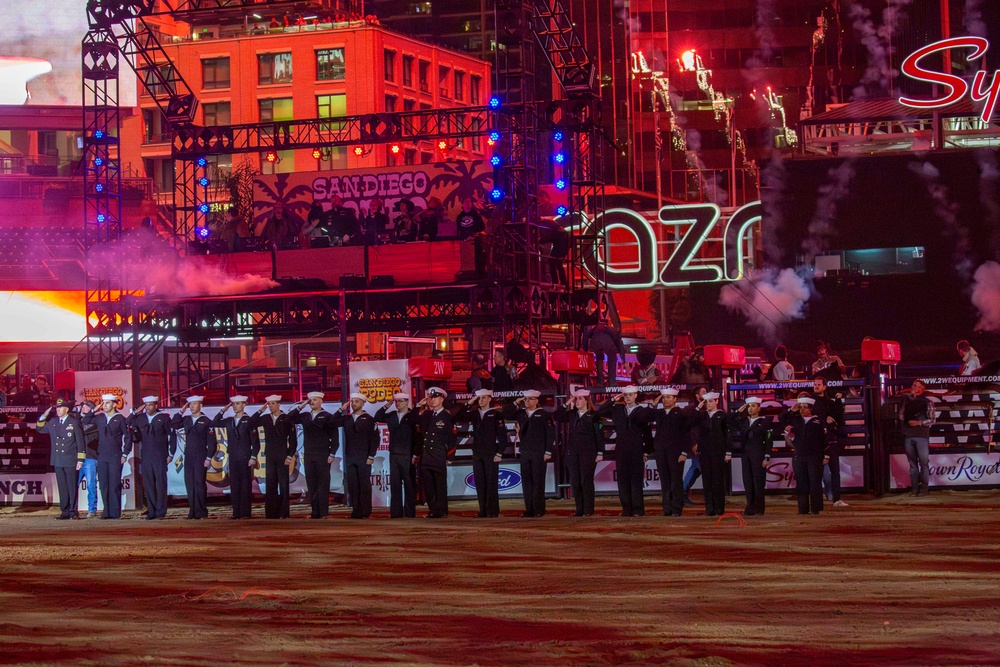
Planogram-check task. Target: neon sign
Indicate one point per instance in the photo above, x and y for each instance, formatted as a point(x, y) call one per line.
point(956, 87)
point(690, 224)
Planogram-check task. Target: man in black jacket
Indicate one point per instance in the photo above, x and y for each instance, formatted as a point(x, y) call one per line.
point(320, 443)
point(157, 451)
point(113, 448)
point(489, 440)
point(67, 454)
point(536, 437)
point(714, 452)
point(403, 453)
point(629, 419)
point(438, 432)
point(276, 434)
point(361, 440)
point(199, 448)
point(671, 447)
point(807, 434)
point(829, 408)
point(243, 446)
point(756, 437)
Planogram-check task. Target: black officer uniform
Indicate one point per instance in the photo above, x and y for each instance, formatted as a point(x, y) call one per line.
point(630, 429)
point(828, 406)
point(810, 445)
point(756, 438)
point(438, 432)
point(584, 446)
point(279, 445)
point(713, 447)
point(361, 439)
point(673, 438)
point(243, 445)
point(199, 446)
point(489, 439)
point(320, 442)
point(68, 451)
point(113, 445)
point(404, 444)
point(536, 438)
point(158, 444)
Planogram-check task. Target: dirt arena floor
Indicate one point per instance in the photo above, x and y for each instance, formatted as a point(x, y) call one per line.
point(891, 581)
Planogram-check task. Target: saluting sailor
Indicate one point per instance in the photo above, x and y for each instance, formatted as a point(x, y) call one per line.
point(199, 448)
point(489, 440)
point(277, 434)
point(438, 431)
point(320, 443)
point(361, 440)
point(114, 446)
point(158, 448)
point(67, 454)
point(244, 446)
point(536, 436)
point(404, 448)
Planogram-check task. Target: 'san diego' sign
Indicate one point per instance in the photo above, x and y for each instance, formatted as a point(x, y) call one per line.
point(956, 87)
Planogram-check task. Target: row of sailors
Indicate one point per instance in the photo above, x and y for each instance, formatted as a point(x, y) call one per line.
point(424, 439)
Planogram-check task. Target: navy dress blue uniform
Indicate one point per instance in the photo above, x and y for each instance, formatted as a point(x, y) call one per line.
point(361, 439)
point(158, 444)
point(810, 446)
point(536, 437)
point(757, 439)
point(489, 440)
point(199, 447)
point(630, 429)
point(320, 442)
point(585, 444)
point(68, 450)
point(673, 438)
point(279, 445)
point(438, 432)
point(243, 446)
point(713, 446)
point(113, 444)
point(404, 444)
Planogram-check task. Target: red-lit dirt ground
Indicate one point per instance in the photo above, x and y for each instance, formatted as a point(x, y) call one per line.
point(886, 581)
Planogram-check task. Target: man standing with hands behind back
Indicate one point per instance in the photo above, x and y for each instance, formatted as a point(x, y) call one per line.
point(68, 453)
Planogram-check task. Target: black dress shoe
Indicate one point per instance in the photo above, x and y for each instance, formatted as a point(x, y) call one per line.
point(431, 516)
point(539, 515)
point(62, 518)
point(579, 514)
point(677, 514)
point(527, 515)
point(481, 515)
point(641, 513)
point(625, 514)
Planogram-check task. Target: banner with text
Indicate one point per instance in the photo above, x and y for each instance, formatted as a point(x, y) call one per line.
point(974, 469)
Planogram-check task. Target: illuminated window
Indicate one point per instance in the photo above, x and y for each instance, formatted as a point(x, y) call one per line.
point(274, 68)
point(215, 73)
point(330, 65)
point(217, 113)
point(870, 262)
point(276, 110)
point(331, 106)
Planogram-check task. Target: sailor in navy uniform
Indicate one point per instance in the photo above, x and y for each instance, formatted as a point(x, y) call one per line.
point(808, 435)
point(671, 447)
point(321, 440)
point(404, 447)
point(243, 447)
point(199, 448)
point(361, 440)
point(280, 446)
point(438, 432)
point(159, 444)
point(629, 420)
point(114, 446)
point(756, 438)
point(489, 440)
point(536, 436)
point(584, 450)
point(67, 454)
point(714, 428)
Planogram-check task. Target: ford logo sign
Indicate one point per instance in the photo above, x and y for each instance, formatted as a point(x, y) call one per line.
point(506, 480)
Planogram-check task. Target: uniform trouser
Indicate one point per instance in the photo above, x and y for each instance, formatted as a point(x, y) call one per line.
point(486, 474)
point(831, 473)
point(754, 481)
point(809, 483)
point(713, 471)
point(154, 480)
point(631, 472)
point(671, 480)
point(581, 480)
point(66, 481)
point(318, 486)
point(240, 487)
point(533, 482)
point(402, 483)
point(109, 475)
point(197, 487)
point(918, 456)
point(89, 473)
point(276, 501)
point(359, 488)
point(435, 483)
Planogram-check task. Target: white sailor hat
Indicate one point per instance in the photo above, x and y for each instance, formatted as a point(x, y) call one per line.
point(483, 392)
point(805, 400)
point(239, 398)
point(631, 389)
point(359, 396)
point(195, 399)
point(669, 391)
point(315, 394)
point(436, 391)
point(401, 397)
point(273, 398)
point(531, 393)
point(108, 397)
point(752, 399)
point(581, 393)
point(710, 396)
point(150, 399)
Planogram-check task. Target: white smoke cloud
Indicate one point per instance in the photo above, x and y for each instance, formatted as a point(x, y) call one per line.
point(946, 211)
point(822, 227)
point(973, 18)
point(986, 296)
point(877, 40)
point(768, 299)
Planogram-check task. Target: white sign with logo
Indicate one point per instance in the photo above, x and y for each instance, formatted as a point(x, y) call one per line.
point(462, 485)
point(975, 469)
point(781, 476)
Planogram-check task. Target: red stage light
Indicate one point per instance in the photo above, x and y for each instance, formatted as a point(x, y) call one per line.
point(316, 154)
point(271, 156)
point(359, 150)
point(443, 145)
point(394, 149)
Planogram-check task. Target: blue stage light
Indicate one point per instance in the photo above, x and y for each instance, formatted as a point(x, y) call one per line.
point(202, 232)
point(561, 184)
point(494, 136)
point(98, 134)
point(494, 102)
point(496, 161)
point(99, 187)
point(202, 161)
point(496, 194)
point(101, 217)
point(558, 136)
point(98, 162)
point(559, 158)
point(562, 210)
point(204, 208)
point(203, 181)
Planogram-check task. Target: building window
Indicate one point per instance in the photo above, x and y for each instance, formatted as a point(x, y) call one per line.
point(152, 84)
point(156, 129)
point(276, 110)
point(331, 106)
point(285, 164)
point(477, 126)
point(390, 65)
point(409, 105)
point(332, 157)
point(215, 73)
point(475, 83)
point(274, 68)
point(217, 113)
point(444, 73)
point(390, 104)
point(459, 86)
point(330, 65)
point(409, 156)
point(408, 71)
point(423, 71)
